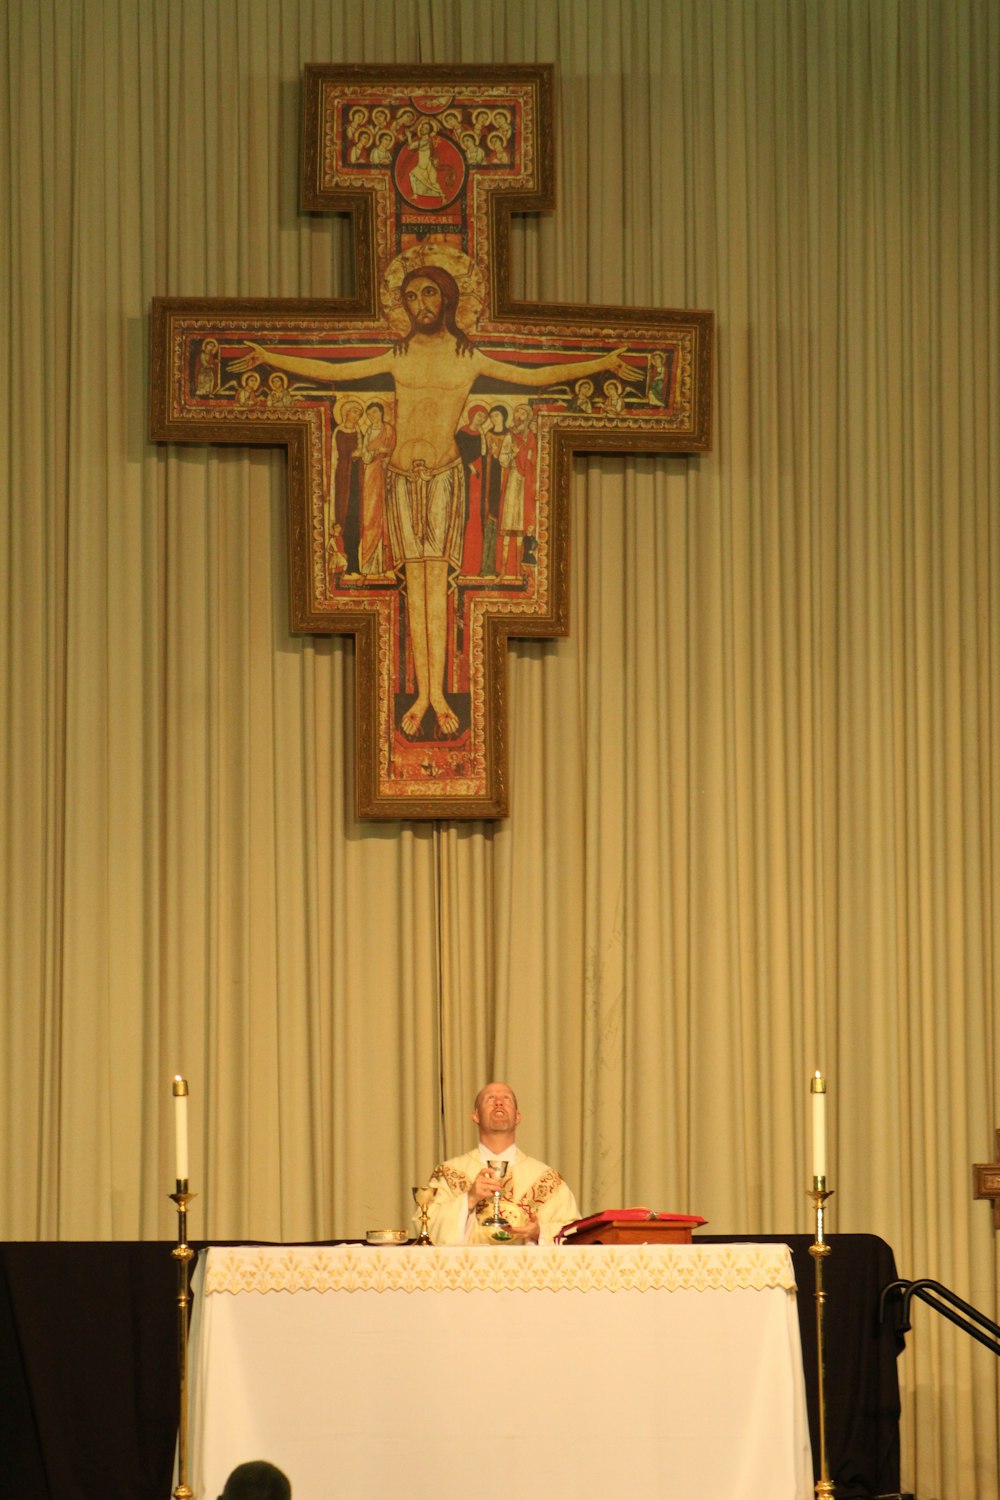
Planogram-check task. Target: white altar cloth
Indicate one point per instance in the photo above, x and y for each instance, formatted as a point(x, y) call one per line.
point(654, 1370)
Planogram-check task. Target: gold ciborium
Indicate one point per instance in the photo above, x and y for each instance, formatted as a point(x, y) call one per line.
point(423, 1197)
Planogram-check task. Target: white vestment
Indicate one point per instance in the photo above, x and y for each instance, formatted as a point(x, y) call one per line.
point(530, 1187)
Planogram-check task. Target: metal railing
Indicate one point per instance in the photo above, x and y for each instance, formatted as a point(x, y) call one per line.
point(950, 1306)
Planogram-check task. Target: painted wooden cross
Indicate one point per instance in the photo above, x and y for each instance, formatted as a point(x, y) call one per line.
point(430, 421)
point(986, 1182)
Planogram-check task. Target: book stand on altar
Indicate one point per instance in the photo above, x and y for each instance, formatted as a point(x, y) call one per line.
point(630, 1226)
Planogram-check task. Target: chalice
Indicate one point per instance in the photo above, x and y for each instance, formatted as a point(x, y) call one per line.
point(496, 1223)
point(422, 1196)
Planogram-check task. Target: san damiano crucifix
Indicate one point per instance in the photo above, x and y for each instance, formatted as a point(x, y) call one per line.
point(430, 422)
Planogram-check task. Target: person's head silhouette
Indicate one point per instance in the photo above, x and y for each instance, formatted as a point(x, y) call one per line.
point(257, 1480)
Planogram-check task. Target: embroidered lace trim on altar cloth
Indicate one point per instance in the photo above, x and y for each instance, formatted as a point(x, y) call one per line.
point(605, 1268)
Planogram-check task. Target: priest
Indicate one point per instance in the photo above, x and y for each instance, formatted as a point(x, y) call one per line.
point(535, 1203)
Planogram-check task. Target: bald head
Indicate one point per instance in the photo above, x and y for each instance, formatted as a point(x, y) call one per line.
point(497, 1115)
point(487, 1088)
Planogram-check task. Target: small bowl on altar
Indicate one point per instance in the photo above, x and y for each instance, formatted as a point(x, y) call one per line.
point(387, 1236)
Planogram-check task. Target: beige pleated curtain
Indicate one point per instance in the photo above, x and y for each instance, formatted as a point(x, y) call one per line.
point(755, 823)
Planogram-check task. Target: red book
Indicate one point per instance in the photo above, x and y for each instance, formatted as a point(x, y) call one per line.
point(629, 1215)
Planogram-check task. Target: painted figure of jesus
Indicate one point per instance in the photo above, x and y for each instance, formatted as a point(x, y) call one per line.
point(433, 369)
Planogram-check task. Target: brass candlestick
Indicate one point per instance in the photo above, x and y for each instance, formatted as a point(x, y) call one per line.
point(183, 1254)
point(819, 1250)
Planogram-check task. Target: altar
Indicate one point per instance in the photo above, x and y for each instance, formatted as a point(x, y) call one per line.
point(660, 1370)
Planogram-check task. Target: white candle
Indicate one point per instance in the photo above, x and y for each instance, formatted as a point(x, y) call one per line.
point(817, 1088)
point(181, 1127)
